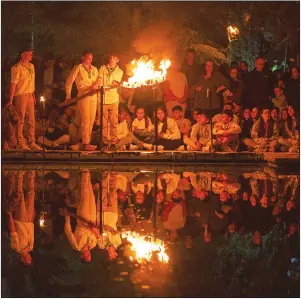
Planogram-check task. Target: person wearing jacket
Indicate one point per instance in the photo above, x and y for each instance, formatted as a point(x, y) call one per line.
point(226, 132)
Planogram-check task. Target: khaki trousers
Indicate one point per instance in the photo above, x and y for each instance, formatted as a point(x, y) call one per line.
point(110, 117)
point(86, 111)
point(25, 105)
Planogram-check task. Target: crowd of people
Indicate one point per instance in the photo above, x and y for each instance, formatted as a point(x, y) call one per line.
point(91, 208)
point(197, 108)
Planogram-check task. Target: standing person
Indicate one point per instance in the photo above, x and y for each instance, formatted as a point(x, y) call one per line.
point(85, 76)
point(292, 88)
point(22, 88)
point(258, 86)
point(243, 67)
point(205, 92)
point(175, 89)
point(236, 87)
point(109, 75)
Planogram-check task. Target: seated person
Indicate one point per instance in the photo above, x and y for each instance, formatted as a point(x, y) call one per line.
point(279, 100)
point(142, 125)
point(289, 137)
point(169, 136)
point(237, 110)
point(228, 106)
point(184, 124)
point(264, 133)
point(226, 132)
point(200, 136)
point(125, 137)
point(194, 114)
point(58, 135)
point(275, 115)
point(247, 124)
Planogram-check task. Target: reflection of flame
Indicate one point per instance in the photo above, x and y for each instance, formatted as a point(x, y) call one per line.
point(145, 73)
point(233, 33)
point(145, 246)
point(42, 222)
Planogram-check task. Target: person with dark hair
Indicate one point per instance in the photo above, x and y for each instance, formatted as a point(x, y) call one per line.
point(264, 133)
point(22, 88)
point(190, 67)
point(258, 86)
point(109, 75)
point(184, 124)
point(169, 136)
point(292, 88)
point(206, 93)
point(227, 106)
point(142, 125)
point(236, 87)
point(85, 76)
point(226, 132)
point(280, 100)
point(243, 68)
point(275, 115)
point(200, 136)
point(194, 114)
point(21, 212)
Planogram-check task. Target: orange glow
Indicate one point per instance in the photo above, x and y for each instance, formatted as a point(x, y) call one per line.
point(144, 73)
point(233, 33)
point(145, 246)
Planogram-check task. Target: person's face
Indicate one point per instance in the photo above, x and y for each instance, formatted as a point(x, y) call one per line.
point(257, 239)
point(190, 57)
point(284, 114)
point(276, 211)
point(231, 228)
point(160, 115)
point(289, 205)
point(264, 201)
point(254, 113)
point(228, 107)
point(209, 66)
point(291, 111)
point(113, 60)
point(121, 117)
point(247, 113)
point(237, 108)
point(202, 119)
point(112, 254)
point(243, 67)
point(139, 198)
point(281, 83)
point(278, 92)
point(140, 114)
point(88, 59)
point(86, 256)
point(177, 114)
point(224, 196)
point(27, 56)
point(295, 73)
point(292, 229)
point(274, 114)
point(207, 238)
point(245, 196)
point(194, 115)
point(26, 259)
point(233, 73)
point(259, 64)
point(266, 114)
point(159, 197)
point(225, 118)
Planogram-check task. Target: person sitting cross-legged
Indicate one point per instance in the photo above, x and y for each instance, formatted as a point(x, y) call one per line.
point(200, 136)
point(226, 132)
point(264, 133)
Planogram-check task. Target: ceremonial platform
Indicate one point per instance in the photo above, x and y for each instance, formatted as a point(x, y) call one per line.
point(148, 157)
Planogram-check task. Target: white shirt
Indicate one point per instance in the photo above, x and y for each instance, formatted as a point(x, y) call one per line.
point(24, 78)
point(172, 131)
point(140, 124)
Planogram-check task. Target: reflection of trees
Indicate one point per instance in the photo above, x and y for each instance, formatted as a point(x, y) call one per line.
point(244, 269)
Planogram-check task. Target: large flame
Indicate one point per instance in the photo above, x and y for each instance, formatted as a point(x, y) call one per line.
point(233, 33)
point(144, 73)
point(145, 246)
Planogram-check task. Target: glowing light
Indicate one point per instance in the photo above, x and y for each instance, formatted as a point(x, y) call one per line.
point(42, 220)
point(233, 33)
point(144, 246)
point(42, 100)
point(144, 73)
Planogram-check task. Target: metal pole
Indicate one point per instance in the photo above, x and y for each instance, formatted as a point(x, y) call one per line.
point(101, 117)
point(211, 125)
point(156, 124)
point(100, 208)
point(43, 128)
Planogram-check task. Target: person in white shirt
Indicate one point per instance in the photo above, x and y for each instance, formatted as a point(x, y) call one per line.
point(84, 75)
point(109, 75)
point(142, 125)
point(22, 88)
point(169, 136)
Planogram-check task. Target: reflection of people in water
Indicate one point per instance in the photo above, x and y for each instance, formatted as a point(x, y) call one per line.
point(21, 212)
